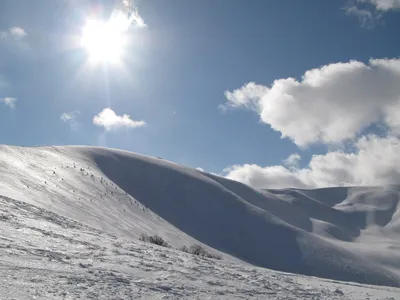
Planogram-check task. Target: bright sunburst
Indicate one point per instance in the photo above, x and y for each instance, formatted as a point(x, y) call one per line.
point(105, 41)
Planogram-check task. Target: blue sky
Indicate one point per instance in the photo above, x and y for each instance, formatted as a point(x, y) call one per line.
point(177, 73)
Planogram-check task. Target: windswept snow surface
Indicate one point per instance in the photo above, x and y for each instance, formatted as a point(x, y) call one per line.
point(113, 196)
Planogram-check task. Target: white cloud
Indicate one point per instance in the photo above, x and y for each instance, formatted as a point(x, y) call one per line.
point(376, 161)
point(16, 33)
point(65, 117)
point(108, 119)
point(331, 104)
point(134, 19)
point(200, 169)
point(9, 101)
point(292, 160)
point(138, 20)
point(273, 177)
point(383, 5)
point(249, 96)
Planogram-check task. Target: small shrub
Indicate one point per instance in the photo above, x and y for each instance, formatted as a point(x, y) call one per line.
point(155, 239)
point(199, 250)
point(214, 256)
point(339, 291)
point(184, 249)
point(143, 237)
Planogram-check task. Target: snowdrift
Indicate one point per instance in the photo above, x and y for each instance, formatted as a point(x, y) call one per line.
point(348, 234)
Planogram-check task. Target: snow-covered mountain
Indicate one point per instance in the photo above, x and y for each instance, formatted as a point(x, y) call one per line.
point(58, 201)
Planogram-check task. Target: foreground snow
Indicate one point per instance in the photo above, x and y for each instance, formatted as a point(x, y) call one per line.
point(44, 255)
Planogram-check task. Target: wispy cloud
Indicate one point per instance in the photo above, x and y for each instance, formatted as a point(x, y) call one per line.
point(367, 18)
point(70, 118)
point(108, 119)
point(292, 160)
point(129, 8)
point(383, 5)
point(9, 101)
point(16, 33)
point(370, 12)
point(3, 82)
point(66, 117)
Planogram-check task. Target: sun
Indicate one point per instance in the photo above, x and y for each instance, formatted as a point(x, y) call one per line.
point(105, 41)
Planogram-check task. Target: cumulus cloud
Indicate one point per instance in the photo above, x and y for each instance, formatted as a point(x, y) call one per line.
point(108, 119)
point(16, 33)
point(374, 162)
point(249, 97)
point(330, 104)
point(9, 101)
point(273, 177)
point(200, 169)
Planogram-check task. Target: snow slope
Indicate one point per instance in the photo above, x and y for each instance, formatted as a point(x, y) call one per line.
point(44, 255)
point(349, 234)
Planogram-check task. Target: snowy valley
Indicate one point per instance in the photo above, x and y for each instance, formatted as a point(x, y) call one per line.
point(71, 219)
